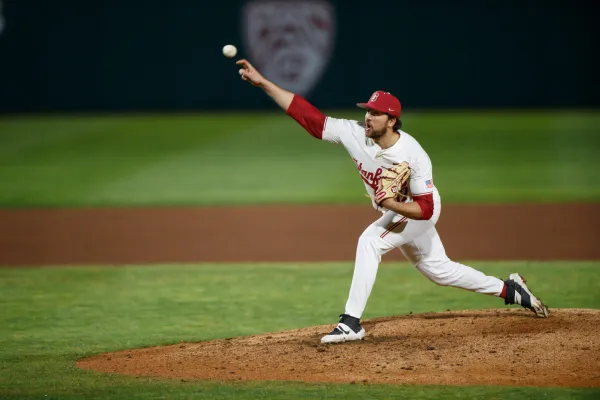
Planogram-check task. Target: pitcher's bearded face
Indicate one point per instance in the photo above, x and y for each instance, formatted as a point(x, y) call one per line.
point(377, 124)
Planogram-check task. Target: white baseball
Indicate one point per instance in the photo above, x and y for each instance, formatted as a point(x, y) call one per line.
point(229, 51)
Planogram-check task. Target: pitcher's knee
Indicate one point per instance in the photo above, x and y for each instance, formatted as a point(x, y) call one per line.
point(439, 272)
point(370, 241)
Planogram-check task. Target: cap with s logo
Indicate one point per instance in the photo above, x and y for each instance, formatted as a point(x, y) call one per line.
point(384, 102)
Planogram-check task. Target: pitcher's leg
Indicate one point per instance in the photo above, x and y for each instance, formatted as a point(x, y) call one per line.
point(388, 232)
point(369, 250)
point(428, 255)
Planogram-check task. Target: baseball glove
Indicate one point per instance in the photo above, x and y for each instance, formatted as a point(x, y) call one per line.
point(393, 183)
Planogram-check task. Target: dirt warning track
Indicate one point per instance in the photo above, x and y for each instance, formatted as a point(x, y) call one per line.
point(284, 233)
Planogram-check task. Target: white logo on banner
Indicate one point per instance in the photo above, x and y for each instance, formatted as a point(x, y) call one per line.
point(290, 42)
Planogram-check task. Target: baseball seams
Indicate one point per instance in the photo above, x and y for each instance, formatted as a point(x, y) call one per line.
point(394, 226)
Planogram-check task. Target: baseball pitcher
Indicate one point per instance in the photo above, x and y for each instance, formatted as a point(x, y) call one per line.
point(398, 177)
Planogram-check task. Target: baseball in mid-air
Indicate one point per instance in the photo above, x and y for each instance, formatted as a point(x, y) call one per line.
point(229, 51)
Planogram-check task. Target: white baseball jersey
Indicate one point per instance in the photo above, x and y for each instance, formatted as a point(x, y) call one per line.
point(370, 159)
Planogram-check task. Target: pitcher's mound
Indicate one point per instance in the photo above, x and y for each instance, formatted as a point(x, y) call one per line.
point(484, 347)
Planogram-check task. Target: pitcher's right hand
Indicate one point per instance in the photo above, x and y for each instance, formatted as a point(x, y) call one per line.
point(250, 74)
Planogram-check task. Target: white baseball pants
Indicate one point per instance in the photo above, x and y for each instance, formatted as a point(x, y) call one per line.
point(421, 245)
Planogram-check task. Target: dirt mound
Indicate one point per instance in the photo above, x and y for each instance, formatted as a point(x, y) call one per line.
point(483, 347)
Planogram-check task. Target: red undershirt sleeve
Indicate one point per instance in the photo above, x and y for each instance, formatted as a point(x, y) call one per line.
point(307, 115)
point(425, 201)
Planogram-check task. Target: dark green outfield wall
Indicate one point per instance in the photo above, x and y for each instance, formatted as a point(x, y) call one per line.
point(164, 55)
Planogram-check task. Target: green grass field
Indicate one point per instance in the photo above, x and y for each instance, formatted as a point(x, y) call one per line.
point(53, 316)
point(234, 158)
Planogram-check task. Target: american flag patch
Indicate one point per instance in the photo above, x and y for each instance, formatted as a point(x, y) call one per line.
point(429, 183)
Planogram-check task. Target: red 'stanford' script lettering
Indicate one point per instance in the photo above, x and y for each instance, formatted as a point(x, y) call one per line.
point(370, 178)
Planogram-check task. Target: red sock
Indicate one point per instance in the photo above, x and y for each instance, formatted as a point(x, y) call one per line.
point(503, 294)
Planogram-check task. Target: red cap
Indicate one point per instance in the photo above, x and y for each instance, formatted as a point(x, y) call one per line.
point(384, 102)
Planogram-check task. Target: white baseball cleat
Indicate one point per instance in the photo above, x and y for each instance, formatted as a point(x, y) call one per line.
point(347, 329)
point(517, 292)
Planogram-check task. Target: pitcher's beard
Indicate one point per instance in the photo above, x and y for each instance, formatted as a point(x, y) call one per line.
point(373, 134)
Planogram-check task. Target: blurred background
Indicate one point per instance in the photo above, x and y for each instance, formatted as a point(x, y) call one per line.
point(112, 102)
point(154, 55)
